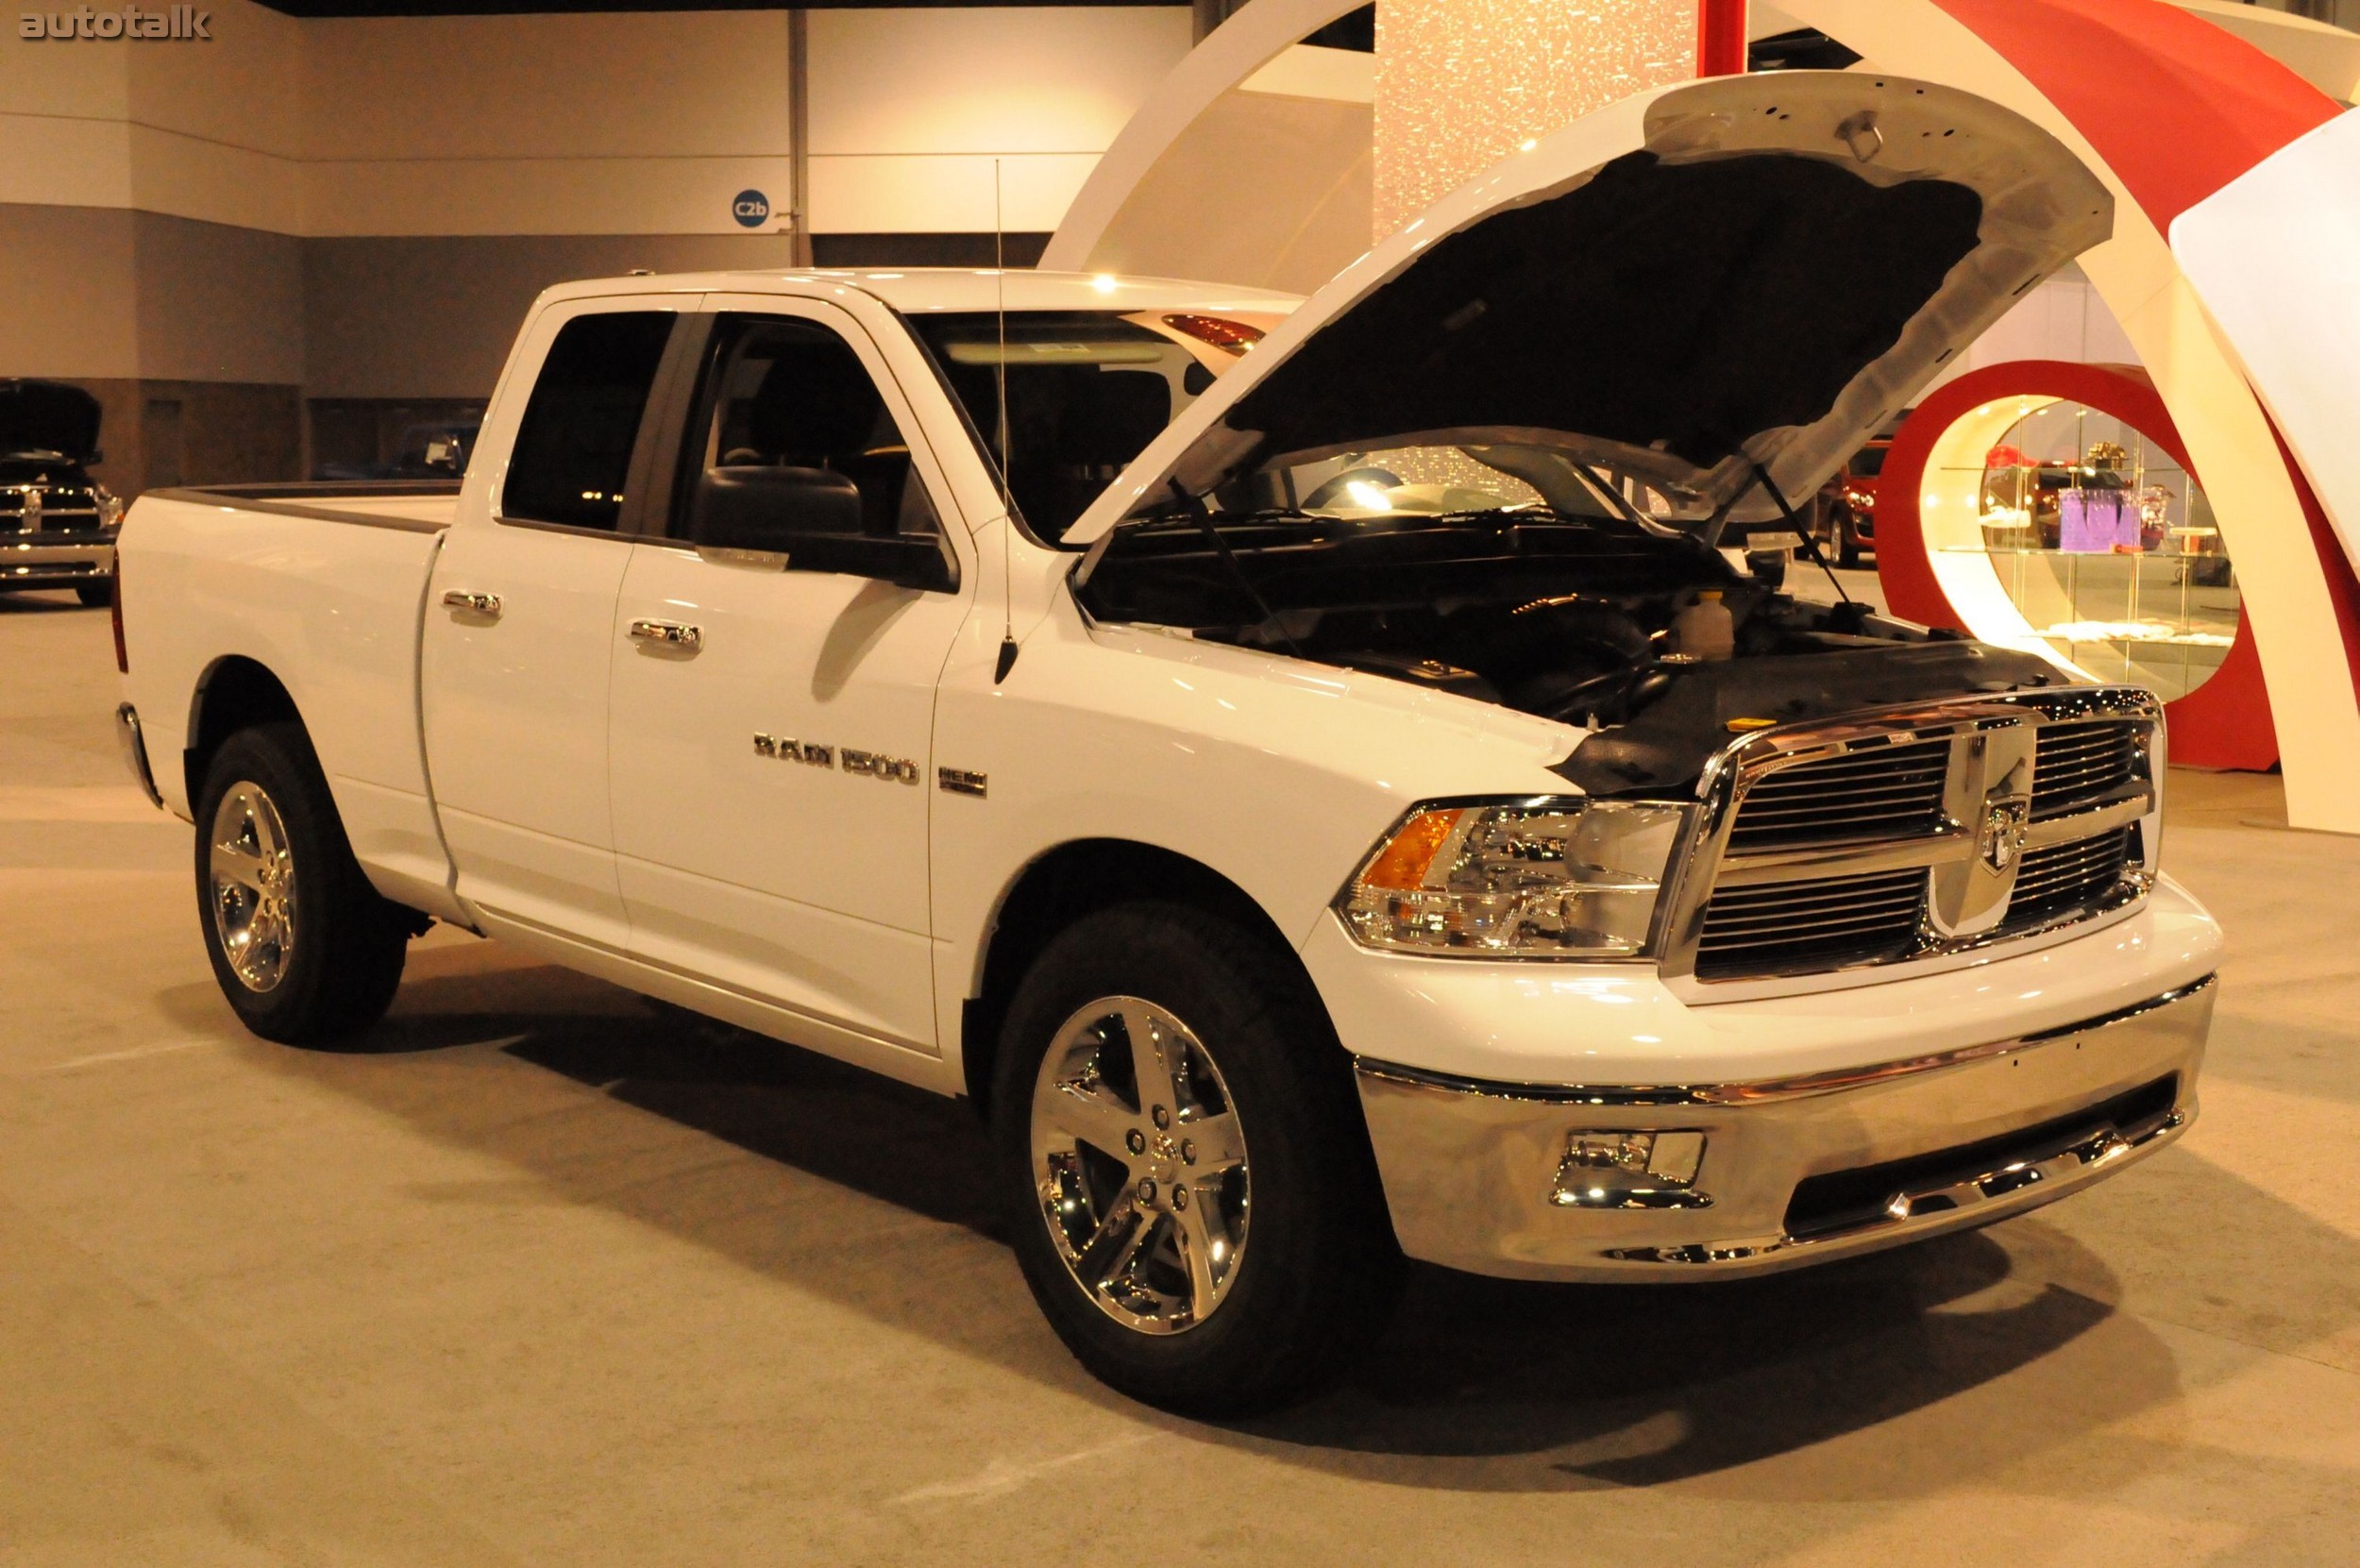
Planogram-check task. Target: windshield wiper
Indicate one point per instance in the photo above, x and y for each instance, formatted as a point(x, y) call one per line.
point(1620, 504)
point(1195, 506)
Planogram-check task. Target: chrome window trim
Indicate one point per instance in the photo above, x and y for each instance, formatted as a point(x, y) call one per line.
point(1704, 863)
point(575, 530)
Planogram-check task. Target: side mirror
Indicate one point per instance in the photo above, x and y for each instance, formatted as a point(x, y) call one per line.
point(811, 517)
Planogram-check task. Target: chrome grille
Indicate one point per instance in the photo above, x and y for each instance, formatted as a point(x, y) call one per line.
point(1888, 792)
point(61, 508)
point(2081, 762)
point(1915, 835)
point(1823, 924)
point(2058, 880)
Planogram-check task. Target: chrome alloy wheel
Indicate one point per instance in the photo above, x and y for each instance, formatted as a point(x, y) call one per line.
point(253, 891)
point(1140, 1165)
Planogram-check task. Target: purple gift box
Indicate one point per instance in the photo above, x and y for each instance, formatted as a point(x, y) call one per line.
point(2094, 522)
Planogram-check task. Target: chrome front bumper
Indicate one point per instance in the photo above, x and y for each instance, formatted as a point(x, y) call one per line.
point(1487, 1177)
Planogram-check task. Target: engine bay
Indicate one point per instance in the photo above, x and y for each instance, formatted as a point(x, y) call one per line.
point(1652, 640)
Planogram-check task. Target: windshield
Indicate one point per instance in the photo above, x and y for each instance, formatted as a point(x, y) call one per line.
point(1868, 462)
point(1388, 530)
point(1088, 391)
point(1444, 480)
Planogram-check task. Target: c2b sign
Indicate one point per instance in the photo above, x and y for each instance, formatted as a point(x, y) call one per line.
point(752, 209)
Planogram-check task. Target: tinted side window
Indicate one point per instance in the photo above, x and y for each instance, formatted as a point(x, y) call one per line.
point(573, 448)
point(790, 393)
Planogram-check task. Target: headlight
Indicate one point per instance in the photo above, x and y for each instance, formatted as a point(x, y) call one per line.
point(1524, 878)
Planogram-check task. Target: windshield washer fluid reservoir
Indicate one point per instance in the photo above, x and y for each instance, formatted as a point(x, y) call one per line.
point(1705, 629)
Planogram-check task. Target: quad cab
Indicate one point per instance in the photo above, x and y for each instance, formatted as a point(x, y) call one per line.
point(1307, 771)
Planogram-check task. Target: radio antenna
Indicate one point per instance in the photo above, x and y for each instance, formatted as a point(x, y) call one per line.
point(1007, 495)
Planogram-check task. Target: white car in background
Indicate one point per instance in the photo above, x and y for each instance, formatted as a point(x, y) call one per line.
point(1309, 775)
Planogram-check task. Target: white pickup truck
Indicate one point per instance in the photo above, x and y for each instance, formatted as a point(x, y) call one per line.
point(1309, 773)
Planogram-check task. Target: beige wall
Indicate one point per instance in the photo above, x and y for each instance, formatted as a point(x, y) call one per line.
point(103, 292)
point(363, 208)
point(69, 302)
point(200, 130)
point(911, 109)
point(606, 123)
point(218, 303)
point(432, 316)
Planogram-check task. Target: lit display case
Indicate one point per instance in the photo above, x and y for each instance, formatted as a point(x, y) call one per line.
point(2047, 505)
point(2106, 545)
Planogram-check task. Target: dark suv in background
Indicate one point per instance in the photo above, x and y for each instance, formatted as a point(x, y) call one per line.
point(58, 525)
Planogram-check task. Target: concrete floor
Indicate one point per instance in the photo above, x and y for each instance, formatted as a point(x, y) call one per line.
point(546, 1277)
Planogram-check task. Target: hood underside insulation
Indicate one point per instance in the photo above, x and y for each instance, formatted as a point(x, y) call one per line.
point(1681, 308)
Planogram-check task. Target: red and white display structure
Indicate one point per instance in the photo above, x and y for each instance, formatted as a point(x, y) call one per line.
point(2237, 193)
point(1941, 505)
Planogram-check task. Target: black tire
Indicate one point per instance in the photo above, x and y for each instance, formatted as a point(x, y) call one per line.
point(1848, 549)
point(97, 595)
point(1316, 1269)
point(327, 970)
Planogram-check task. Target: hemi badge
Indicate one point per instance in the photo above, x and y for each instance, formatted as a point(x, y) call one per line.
point(958, 781)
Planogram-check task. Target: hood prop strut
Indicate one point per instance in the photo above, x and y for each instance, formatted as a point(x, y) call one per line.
point(1195, 506)
point(1802, 532)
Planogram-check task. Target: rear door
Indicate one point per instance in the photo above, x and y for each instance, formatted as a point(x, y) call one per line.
point(772, 739)
point(519, 628)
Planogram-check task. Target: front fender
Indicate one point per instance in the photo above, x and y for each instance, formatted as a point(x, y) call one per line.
point(1273, 772)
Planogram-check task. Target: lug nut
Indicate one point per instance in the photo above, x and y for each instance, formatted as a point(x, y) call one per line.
point(1135, 1142)
point(1147, 1189)
point(1163, 1117)
point(1179, 1197)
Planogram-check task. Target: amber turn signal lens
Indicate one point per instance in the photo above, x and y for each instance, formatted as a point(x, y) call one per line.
point(1525, 878)
point(1410, 855)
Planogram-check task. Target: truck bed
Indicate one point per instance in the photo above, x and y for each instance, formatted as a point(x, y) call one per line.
point(317, 590)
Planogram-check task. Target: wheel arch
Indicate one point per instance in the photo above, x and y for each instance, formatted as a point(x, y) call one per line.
point(1068, 882)
point(234, 693)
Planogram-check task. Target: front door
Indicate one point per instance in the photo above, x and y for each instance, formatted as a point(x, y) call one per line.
point(518, 636)
point(772, 732)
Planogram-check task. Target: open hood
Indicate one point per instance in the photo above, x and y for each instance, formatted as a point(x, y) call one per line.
point(48, 416)
point(1751, 269)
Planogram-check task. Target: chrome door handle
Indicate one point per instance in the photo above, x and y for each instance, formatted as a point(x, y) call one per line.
point(671, 634)
point(480, 604)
